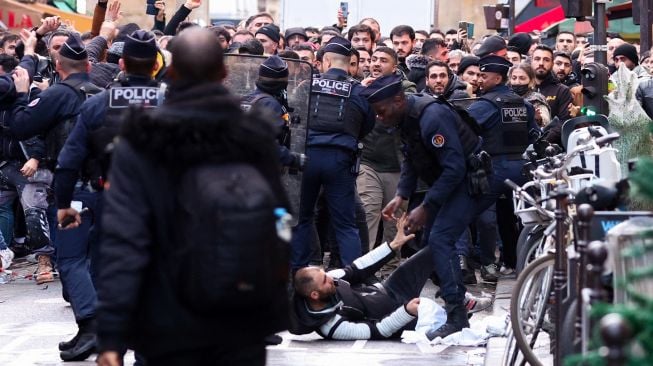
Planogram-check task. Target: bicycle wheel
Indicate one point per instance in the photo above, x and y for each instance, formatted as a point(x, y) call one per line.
point(529, 304)
point(529, 239)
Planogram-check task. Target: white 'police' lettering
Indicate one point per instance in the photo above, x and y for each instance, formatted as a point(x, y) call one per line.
point(331, 87)
point(123, 97)
point(518, 114)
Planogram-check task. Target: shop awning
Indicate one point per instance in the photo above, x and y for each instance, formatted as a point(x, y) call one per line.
point(17, 15)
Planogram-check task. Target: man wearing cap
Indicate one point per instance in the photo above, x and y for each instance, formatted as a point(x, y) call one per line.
point(468, 72)
point(81, 175)
point(493, 45)
point(627, 54)
point(51, 116)
point(270, 94)
point(295, 36)
point(269, 37)
point(557, 95)
point(340, 117)
point(435, 151)
point(508, 127)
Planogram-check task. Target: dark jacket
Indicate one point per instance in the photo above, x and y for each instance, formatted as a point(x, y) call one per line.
point(557, 95)
point(356, 304)
point(456, 89)
point(137, 305)
point(417, 74)
point(644, 95)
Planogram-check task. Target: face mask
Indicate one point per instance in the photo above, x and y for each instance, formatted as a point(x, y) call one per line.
point(520, 90)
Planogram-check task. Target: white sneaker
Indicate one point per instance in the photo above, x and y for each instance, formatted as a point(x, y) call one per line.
point(505, 271)
point(6, 256)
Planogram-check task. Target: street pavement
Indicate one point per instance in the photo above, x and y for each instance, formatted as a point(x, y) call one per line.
point(34, 318)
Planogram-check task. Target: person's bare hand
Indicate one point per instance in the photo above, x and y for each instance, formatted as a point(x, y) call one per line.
point(48, 25)
point(416, 220)
point(193, 4)
point(29, 168)
point(43, 84)
point(412, 306)
point(161, 15)
point(391, 209)
point(109, 358)
point(21, 80)
point(29, 40)
point(367, 81)
point(342, 20)
point(401, 238)
point(108, 30)
point(113, 11)
point(64, 213)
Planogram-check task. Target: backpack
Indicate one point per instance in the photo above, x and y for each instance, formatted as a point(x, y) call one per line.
point(230, 257)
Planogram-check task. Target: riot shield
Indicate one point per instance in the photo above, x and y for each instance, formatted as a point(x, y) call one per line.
point(242, 72)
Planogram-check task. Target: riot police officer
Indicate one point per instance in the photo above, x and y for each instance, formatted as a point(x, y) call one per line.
point(340, 117)
point(508, 126)
point(81, 175)
point(438, 149)
point(271, 94)
point(51, 116)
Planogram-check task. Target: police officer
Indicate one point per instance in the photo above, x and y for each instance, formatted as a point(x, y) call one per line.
point(339, 118)
point(53, 113)
point(98, 123)
point(508, 126)
point(437, 152)
point(271, 94)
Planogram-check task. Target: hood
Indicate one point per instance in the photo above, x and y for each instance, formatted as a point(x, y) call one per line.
point(455, 83)
point(102, 74)
point(417, 62)
point(304, 321)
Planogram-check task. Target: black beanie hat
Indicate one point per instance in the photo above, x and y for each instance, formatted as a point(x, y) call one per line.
point(270, 30)
point(274, 68)
point(466, 62)
point(627, 50)
point(521, 41)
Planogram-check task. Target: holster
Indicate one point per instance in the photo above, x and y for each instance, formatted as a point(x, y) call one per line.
point(479, 170)
point(356, 166)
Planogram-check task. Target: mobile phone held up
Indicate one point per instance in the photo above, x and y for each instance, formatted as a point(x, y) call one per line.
point(467, 26)
point(344, 6)
point(151, 9)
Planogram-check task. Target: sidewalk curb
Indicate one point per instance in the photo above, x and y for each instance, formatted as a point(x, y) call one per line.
point(500, 308)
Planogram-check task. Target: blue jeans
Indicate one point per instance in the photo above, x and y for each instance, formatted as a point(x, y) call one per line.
point(329, 168)
point(73, 258)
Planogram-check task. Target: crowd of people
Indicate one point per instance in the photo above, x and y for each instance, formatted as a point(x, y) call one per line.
point(410, 139)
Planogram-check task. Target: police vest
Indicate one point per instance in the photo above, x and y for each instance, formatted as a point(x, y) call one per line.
point(510, 136)
point(331, 109)
point(56, 137)
point(121, 97)
point(423, 161)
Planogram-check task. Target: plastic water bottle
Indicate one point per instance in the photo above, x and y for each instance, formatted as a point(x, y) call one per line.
point(284, 231)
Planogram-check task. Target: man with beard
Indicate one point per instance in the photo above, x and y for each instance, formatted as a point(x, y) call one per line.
point(385, 62)
point(468, 72)
point(440, 80)
point(562, 69)
point(403, 39)
point(557, 95)
point(364, 62)
point(432, 49)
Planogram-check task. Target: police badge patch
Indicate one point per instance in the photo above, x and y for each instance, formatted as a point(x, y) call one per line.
point(438, 140)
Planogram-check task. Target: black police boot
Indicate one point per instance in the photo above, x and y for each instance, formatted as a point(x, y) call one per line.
point(273, 340)
point(456, 321)
point(86, 343)
point(66, 345)
point(469, 277)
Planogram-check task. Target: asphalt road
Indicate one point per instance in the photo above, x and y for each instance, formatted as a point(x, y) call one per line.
point(34, 318)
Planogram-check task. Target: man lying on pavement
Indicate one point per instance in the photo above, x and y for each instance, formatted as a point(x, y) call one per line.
point(338, 305)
